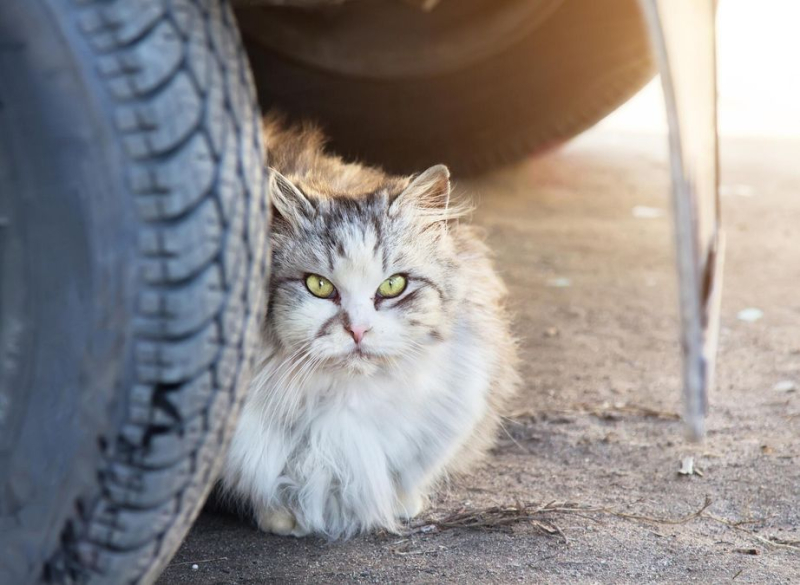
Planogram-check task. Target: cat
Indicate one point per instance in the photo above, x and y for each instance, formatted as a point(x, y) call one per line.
point(387, 351)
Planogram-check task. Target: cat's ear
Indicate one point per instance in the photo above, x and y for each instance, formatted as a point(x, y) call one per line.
point(288, 201)
point(428, 192)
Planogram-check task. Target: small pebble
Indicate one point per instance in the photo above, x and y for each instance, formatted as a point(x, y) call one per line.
point(687, 466)
point(748, 551)
point(560, 282)
point(785, 386)
point(750, 314)
point(645, 212)
point(195, 567)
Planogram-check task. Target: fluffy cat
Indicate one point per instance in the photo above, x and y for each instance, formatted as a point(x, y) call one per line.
point(387, 354)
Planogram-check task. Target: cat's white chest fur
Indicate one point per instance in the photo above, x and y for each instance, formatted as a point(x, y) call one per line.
point(344, 453)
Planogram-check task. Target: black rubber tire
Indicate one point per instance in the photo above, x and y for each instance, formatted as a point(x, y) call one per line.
point(584, 60)
point(133, 263)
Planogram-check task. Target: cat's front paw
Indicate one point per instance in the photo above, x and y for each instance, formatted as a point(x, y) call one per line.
point(280, 522)
point(410, 505)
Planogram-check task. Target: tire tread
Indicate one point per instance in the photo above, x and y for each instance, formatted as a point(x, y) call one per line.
point(181, 100)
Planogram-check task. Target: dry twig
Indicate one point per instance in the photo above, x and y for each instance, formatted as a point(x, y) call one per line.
point(198, 562)
point(604, 411)
point(539, 516)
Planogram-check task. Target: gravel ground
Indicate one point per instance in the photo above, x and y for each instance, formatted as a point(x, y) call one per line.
point(593, 290)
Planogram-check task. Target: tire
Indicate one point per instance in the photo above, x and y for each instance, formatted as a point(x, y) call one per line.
point(133, 251)
point(576, 64)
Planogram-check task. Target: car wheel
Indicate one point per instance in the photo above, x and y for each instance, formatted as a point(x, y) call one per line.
point(473, 83)
point(133, 250)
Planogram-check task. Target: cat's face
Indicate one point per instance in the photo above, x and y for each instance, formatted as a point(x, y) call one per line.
point(362, 284)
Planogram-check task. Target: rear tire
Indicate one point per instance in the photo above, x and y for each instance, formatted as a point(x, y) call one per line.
point(133, 250)
point(572, 67)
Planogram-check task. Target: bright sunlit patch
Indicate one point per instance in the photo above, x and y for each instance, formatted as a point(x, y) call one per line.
point(757, 48)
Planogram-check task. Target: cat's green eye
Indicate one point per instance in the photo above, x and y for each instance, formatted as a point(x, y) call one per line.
point(392, 286)
point(320, 286)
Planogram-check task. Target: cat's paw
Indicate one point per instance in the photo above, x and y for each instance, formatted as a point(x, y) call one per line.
point(409, 505)
point(280, 522)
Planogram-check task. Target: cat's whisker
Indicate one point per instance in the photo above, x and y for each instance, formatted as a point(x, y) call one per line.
point(310, 370)
point(297, 382)
point(289, 391)
point(273, 377)
point(278, 392)
point(412, 350)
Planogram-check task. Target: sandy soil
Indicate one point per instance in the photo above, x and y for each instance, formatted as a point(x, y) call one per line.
point(601, 370)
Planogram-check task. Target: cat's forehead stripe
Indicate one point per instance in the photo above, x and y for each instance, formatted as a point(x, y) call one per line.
point(331, 262)
point(347, 226)
point(384, 257)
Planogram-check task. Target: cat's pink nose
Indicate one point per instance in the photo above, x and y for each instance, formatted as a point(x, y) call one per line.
point(358, 332)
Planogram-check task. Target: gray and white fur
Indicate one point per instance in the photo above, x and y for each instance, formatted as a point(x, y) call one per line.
point(342, 433)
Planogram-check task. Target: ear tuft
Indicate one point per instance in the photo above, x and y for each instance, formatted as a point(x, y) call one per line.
point(288, 201)
point(427, 192)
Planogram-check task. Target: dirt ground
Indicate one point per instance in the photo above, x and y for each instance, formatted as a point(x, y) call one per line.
point(594, 293)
